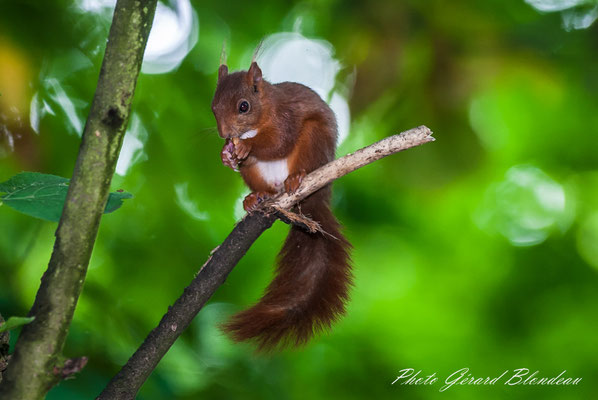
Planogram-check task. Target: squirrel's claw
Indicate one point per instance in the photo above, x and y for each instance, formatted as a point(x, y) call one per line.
point(291, 184)
point(253, 200)
point(241, 149)
point(228, 155)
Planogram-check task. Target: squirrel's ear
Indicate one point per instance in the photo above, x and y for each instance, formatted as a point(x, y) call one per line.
point(222, 71)
point(254, 75)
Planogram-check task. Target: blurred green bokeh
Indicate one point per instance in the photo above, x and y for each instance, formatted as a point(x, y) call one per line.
point(479, 250)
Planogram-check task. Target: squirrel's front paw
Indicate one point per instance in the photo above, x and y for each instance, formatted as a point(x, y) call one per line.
point(228, 155)
point(241, 148)
point(291, 184)
point(253, 200)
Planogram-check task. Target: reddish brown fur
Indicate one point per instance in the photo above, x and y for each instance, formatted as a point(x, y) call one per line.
point(313, 275)
point(251, 175)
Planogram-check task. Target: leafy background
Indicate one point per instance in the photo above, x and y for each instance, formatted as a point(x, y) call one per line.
point(479, 250)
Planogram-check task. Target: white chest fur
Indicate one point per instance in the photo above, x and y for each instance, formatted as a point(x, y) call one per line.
point(274, 172)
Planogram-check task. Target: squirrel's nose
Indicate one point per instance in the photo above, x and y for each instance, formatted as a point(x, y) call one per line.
point(223, 131)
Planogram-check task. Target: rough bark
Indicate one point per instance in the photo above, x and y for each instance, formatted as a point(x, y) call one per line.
point(4, 357)
point(37, 357)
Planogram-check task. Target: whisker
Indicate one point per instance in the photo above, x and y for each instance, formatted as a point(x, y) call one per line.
point(200, 135)
point(210, 129)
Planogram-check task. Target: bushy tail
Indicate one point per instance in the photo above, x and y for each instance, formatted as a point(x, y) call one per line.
point(310, 288)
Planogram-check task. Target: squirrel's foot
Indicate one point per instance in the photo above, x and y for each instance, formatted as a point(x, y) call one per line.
point(242, 148)
point(228, 155)
point(254, 199)
point(291, 184)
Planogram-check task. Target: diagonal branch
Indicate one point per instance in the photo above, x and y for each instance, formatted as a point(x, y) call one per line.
point(128, 381)
point(37, 357)
point(349, 163)
point(340, 167)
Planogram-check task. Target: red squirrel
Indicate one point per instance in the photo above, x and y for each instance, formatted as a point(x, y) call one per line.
point(276, 134)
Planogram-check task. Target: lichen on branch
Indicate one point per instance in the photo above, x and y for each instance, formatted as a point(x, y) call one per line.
point(37, 358)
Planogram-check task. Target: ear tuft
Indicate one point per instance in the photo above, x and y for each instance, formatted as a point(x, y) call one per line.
point(222, 72)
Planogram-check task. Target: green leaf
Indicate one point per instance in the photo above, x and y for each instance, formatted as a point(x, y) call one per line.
point(43, 195)
point(115, 200)
point(15, 322)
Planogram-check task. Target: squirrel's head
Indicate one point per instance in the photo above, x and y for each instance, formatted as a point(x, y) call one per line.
point(237, 103)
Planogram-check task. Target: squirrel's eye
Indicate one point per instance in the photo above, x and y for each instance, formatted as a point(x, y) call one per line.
point(243, 107)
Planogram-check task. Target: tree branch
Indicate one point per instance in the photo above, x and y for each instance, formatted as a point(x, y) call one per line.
point(4, 342)
point(349, 163)
point(128, 381)
point(37, 357)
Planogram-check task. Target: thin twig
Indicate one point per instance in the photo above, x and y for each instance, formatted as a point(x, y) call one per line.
point(339, 167)
point(290, 217)
point(349, 163)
